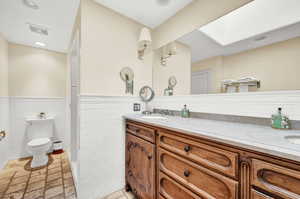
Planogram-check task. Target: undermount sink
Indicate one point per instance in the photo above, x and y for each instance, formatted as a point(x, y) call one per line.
point(154, 117)
point(294, 139)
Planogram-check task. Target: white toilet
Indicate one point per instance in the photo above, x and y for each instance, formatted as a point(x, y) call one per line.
point(39, 132)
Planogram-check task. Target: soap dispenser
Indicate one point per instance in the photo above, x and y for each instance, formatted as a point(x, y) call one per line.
point(185, 112)
point(280, 121)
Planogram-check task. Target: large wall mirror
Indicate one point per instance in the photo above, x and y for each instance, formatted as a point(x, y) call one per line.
point(252, 49)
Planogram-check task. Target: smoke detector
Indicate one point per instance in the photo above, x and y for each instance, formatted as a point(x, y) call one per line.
point(40, 29)
point(31, 4)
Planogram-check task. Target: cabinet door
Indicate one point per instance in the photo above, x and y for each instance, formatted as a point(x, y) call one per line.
point(140, 167)
point(206, 183)
point(280, 181)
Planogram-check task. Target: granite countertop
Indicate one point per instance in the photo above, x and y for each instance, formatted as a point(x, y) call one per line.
point(248, 136)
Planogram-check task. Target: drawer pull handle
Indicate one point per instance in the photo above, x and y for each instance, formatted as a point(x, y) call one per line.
point(149, 157)
point(187, 148)
point(137, 130)
point(186, 173)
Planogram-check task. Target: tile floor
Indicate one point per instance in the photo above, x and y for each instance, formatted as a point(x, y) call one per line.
point(55, 181)
point(122, 194)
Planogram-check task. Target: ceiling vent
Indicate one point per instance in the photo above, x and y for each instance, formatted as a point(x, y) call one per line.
point(163, 2)
point(31, 4)
point(260, 38)
point(38, 29)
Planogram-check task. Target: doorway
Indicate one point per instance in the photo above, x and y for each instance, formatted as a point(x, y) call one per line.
point(73, 99)
point(201, 82)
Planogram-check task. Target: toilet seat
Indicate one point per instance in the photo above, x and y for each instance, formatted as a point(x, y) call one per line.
point(38, 142)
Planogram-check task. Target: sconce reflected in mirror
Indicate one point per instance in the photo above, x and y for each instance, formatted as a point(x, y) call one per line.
point(171, 84)
point(168, 51)
point(144, 42)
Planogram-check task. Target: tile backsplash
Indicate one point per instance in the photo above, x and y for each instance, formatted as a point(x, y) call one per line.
point(252, 104)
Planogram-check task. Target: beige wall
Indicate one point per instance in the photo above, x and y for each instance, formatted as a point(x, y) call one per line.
point(276, 65)
point(109, 43)
point(3, 67)
point(178, 65)
point(36, 72)
point(193, 16)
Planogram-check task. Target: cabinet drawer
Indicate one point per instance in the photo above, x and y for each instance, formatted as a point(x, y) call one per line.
point(141, 131)
point(204, 182)
point(208, 156)
point(275, 179)
point(172, 190)
point(258, 195)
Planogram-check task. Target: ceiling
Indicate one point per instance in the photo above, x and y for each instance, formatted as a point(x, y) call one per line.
point(205, 44)
point(57, 15)
point(257, 17)
point(151, 13)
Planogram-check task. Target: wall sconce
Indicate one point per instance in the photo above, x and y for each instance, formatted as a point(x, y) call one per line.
point(144, 42)
point(167, 52)
point(127, 76)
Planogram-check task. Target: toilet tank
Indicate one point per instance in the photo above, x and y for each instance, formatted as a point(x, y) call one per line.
point(39, 128)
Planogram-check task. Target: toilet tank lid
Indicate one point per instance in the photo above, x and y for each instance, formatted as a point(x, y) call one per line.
point(38, 142)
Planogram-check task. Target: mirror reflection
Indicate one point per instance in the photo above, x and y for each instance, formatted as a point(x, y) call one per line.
point(251, 49)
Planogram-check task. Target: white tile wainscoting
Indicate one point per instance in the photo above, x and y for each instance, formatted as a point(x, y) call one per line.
point(254, 104)
point(4, 125)
point(21, 107)
point(102, 144)
point(102, 138)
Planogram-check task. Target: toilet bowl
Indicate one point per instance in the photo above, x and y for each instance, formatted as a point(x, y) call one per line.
point(39, 148)
point(39, 133)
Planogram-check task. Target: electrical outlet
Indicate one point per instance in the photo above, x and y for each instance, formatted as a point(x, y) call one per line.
point(136, 107)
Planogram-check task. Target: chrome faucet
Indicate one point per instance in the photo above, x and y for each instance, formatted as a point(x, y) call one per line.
point(166, 112)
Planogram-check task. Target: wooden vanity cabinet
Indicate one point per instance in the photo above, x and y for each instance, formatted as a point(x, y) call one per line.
point(164, 164)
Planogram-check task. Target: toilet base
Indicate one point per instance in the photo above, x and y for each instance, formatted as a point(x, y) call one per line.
point(39, 160)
